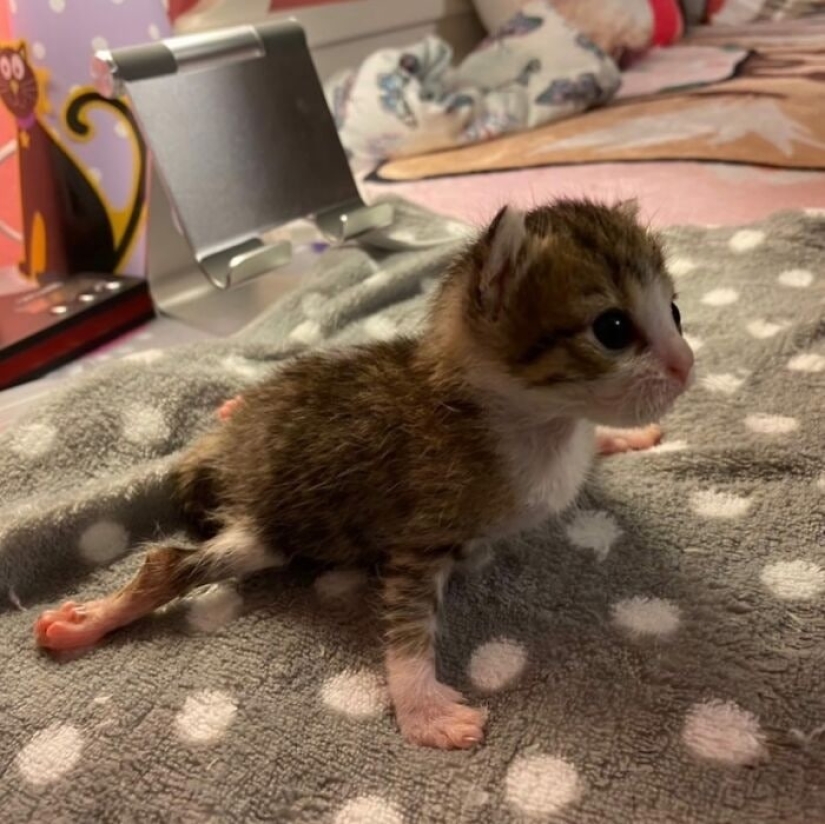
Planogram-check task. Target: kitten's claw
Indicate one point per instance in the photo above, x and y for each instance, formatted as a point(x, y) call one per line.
point(615, 441)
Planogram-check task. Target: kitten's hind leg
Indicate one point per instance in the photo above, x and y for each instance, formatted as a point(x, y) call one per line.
point(167, 573)
point(428, 712)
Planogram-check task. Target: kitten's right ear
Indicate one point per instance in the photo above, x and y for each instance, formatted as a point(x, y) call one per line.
point(23, 51)
point(504, 260)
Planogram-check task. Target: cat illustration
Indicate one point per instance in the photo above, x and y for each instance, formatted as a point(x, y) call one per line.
point(66, 222)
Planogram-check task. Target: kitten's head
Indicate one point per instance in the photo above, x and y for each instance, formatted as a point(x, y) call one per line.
point(18, 82)
point(570, 306)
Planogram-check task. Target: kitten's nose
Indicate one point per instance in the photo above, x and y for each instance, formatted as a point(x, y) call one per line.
point(15, 85)
point(678, 361)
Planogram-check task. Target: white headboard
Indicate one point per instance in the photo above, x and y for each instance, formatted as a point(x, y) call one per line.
point(342, 34)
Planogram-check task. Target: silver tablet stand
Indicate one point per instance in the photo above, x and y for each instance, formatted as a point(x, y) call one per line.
point(242, 142)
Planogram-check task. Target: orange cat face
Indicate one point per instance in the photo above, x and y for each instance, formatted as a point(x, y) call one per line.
point(18, 82)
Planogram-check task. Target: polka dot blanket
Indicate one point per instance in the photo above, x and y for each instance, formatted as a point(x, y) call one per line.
point(657, 655)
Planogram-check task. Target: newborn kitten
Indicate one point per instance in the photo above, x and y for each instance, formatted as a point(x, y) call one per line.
point(405, 453)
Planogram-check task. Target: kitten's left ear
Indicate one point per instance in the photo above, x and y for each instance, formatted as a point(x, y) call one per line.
point(504, 259)
point(628, 208)
point(23, 52)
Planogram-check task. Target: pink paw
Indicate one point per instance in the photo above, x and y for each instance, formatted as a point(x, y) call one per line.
point(615, 441)
point(443, 721)
point(71, 626)
point(229, 408)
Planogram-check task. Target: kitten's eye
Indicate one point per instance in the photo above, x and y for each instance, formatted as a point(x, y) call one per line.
point(17, 68)
point(5, 68)
point(614, 329)
point(677, 316)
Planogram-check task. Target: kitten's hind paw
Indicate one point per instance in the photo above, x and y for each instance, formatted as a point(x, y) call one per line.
point(72, 625)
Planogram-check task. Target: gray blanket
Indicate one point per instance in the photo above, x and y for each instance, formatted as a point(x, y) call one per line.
point(656, 656)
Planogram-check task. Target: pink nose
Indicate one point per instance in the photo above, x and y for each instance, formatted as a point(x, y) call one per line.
point(678, 361)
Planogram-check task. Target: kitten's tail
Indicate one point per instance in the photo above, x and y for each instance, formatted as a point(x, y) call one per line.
point(196, 484)
point(78, 125)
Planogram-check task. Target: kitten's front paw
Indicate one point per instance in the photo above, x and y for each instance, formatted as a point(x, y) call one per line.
point(442, 720)
point(615, 441)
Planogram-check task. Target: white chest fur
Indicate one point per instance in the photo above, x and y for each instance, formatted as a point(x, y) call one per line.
point(548, 464)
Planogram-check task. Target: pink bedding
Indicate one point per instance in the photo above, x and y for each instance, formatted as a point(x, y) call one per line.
point(670, 193)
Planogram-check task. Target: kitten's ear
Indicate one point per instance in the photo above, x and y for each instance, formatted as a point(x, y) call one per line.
point(23, 52)
point(628, 208)
point(504, 260)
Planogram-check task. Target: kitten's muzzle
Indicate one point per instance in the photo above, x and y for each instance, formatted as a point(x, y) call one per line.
point(676, 358)
point(15, 86)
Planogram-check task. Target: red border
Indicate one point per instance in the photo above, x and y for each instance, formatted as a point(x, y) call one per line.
point(77, 337)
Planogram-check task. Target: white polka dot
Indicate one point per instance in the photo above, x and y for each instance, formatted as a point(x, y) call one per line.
point(762, 329)
point(308, 332)
point(724, 382)
point(205, 716)
point(96, 173)
point(694, 343)
point(146, 356)
point(103, 542)
point(50, 754)
point(313, 304)
point(144, 424)
point(771, 424)
point(720, 297)
point(380, 328)
point(796, 278)
point(369, 809)
point(746, 239)
point(214, 607)
point(807, 362)
point(722, 731)
point(57, 6)
point(154, 32)
point(794, 580)
point(356, 694)
point(711, 504)
point(378, 280)
point(33, 440)
point(681, 266)
point(121, 130)
point(594, 530)
point(100, 43)
point(339, 584)
point(820, 484)
point(541, 785)
point(39, 50)
point(496, 664)
point(244, 367)
point(664, 446)
point(641, 616)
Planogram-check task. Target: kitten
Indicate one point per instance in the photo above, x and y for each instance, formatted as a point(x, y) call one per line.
point(66, 223)
point(406, 453)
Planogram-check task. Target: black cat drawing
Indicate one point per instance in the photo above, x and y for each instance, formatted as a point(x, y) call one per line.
point(66, 224)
